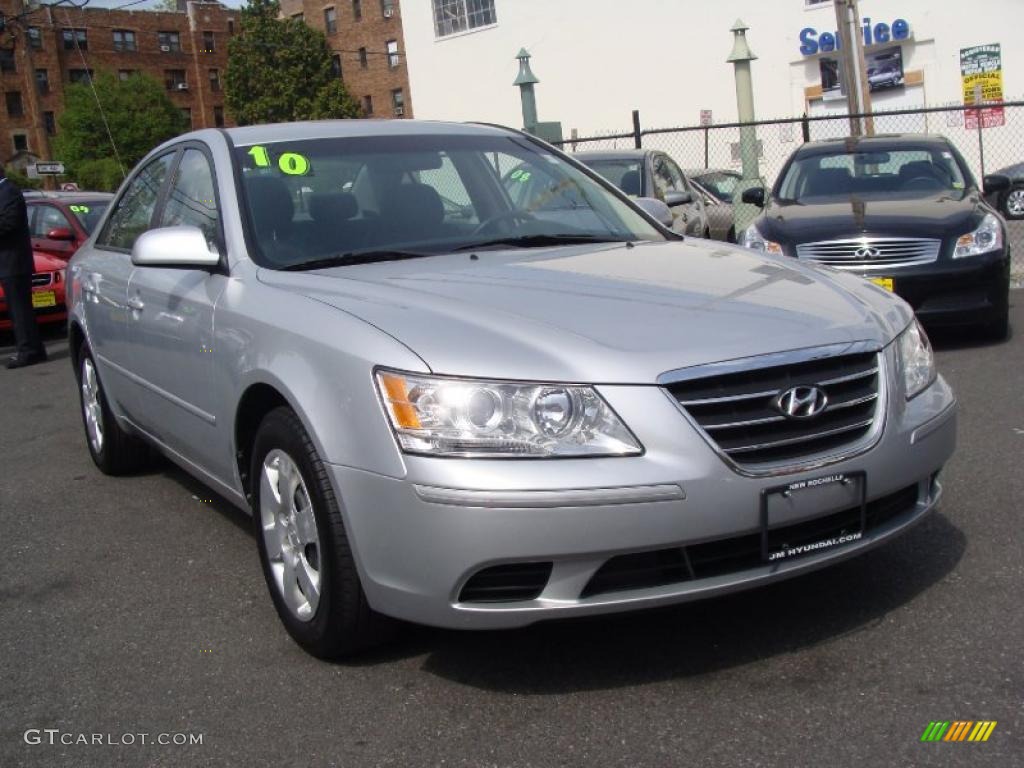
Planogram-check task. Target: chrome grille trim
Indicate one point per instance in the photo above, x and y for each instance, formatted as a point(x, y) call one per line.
point(41, 278)
point(892, 252)
point(866, 403)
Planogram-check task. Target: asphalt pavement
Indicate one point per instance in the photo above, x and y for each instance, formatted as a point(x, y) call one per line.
point(136, 606)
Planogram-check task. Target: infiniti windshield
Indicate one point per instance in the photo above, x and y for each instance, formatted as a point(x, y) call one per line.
point(317, 199)
point(902, 174)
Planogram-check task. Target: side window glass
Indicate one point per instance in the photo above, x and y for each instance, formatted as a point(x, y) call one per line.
point(661, 176)
point(677, 182)
point(47, 218)
point(191, 200)
point(134, 210)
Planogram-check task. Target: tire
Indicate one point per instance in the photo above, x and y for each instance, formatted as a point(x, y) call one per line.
point(113, 450)
point(1013, 202)
point(304, 550)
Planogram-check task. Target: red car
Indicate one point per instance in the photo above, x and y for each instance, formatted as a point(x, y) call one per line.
point(61, 221)
point(47, 292)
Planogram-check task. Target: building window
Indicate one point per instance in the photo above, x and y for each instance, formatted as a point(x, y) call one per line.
point(398, 102)
point(454, 16)
point(299, 17)
point(231, 26)
point(387, 8)
point(336, 65)
point(35, 38)
point(368, 105)
point(357, 9)
point(20, 142)
point(175, 80)
point(75, 39)
point(218, 117)
point(170, 42)
point(209, 44)
point(43, 80)
point(214, 79)
point(363, 61)
point(124, 40)
point(393, 56)
point(7, 60)
point(330, 21)
point(14, 106)
point(81, 76)
point(124, 74)
point(51, 123)
point(186, 112)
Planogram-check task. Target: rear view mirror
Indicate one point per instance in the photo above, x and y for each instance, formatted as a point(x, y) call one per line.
point(673, 199)
point(63, 233)
point(871, 158)
point(754, 196)
point(657, 209)
point(995, 182)
point(183, 247)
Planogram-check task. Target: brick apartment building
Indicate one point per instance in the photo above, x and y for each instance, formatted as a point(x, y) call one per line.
point(44, 48)
point(365, 37)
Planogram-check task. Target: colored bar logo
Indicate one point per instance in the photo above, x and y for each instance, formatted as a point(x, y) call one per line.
point(958, 730)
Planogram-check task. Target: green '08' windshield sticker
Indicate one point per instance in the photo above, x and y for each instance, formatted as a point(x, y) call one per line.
point(79, 208)
point(289, 163)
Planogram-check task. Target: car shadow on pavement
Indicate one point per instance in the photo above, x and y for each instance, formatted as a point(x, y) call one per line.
point(695, 638)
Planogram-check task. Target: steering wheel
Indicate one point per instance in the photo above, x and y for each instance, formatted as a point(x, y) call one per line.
point(516, 214)
point(923, 183)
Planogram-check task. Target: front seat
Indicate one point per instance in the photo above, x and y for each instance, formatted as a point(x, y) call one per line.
point(413, 213)
point(630, 183)
point(272, 210)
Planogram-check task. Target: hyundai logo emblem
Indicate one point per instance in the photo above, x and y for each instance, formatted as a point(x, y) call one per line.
point(867, 252)
point(801, 402)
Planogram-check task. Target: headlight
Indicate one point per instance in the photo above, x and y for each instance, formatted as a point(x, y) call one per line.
point(986, 238)
point(917, 359)
point(754, 240)
point(466, 417)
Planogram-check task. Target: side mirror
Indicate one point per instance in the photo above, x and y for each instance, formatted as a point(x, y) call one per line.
point(657, 209)
point(63, 233)
point(754, 196)
point(673, 198)
point(183, 247)
point(995, 182)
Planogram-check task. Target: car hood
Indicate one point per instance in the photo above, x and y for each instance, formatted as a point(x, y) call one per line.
point(606, 314)
point(43, 262)
point(940, 217)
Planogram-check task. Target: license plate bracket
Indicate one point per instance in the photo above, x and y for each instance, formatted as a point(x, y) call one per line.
point(784, 539)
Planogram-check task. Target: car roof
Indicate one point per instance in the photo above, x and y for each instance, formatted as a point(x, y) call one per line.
point(611, 154)
point(876, 143)
point(323, 129)
point(68, 197)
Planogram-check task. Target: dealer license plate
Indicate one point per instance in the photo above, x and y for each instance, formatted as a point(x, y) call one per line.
point(885, 282)
point(43, 299)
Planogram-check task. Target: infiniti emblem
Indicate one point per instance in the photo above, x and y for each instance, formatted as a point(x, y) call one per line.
point(867, 252)
point(801, 402)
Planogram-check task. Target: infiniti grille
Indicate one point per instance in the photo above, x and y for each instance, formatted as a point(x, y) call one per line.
point(866, 254)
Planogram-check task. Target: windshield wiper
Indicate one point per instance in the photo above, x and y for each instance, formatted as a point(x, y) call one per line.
point(354, 257)
point(539, 241)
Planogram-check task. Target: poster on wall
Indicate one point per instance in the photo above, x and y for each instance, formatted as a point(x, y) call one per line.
point(884, 70)
point(981, 73)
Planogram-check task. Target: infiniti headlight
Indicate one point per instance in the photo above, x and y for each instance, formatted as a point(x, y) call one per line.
point(482, 418)
point(755, 241)
point(916, 359)
point(986, 238)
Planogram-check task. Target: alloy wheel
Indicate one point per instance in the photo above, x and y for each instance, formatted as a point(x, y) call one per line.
point(91, 406)
point(1015, 202)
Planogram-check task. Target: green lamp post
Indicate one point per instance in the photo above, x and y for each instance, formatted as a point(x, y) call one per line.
point(526, 80)
point(740, 58)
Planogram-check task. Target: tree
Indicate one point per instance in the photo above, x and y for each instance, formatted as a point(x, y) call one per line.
point(139, 114)
point(280, 70)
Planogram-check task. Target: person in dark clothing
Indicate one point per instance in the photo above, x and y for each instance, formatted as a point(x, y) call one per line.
point(16, 275)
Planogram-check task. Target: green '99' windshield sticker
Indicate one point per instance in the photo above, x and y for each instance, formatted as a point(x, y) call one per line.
point(289, 163)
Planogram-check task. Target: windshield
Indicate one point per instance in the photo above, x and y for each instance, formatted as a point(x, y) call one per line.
point(872, 175)
point(721, 185)
point(318, 199)
point(89, 213)
point(626, 174)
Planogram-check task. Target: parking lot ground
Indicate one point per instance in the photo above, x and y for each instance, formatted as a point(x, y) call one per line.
point(136, 605)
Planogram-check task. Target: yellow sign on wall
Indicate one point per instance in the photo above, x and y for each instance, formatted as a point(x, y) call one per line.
point(981, 74)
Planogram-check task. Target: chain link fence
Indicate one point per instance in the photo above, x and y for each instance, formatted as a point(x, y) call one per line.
point(986, 149)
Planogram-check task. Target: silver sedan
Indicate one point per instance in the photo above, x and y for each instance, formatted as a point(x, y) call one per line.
point(450, 403)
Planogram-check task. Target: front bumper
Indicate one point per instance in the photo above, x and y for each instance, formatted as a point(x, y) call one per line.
point(418, 539)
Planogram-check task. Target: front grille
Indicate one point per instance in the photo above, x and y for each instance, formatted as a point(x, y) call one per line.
point(737, 411)
point(866, 254)
point(510, 582)
point(641, 570)
point(41, 278)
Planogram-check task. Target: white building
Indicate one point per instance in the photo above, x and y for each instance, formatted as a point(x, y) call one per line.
point(597, 60)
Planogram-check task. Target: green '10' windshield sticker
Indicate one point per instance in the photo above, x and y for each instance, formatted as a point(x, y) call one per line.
point(289, 163)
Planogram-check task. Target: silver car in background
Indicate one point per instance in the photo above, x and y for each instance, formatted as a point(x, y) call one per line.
point(451, 405)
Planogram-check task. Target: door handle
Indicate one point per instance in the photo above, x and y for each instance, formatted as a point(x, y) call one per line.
point(136, 304)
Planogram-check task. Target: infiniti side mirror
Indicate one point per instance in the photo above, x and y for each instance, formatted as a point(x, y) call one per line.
point(754, 196)
point(995, 182)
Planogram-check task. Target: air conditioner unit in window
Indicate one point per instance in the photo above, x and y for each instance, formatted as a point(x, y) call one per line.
point(181, 87)
point(165, 49)
point(399, 111)
point(389, 12)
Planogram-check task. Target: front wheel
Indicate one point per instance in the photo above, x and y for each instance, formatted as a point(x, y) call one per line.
point(303, 546)
point(1013, 203)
